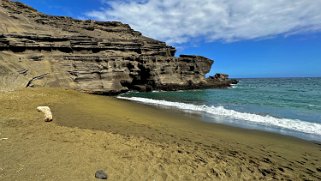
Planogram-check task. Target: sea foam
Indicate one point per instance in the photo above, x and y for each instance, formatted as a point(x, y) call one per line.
point(264, 120)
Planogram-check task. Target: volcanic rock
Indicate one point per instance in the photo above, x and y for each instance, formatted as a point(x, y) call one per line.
point(100, 174)
point(38, 50)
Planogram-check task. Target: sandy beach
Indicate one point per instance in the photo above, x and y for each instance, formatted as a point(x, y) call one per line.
point(137, 142)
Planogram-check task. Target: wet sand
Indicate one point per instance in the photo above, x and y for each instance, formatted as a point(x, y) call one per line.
point(137, 142)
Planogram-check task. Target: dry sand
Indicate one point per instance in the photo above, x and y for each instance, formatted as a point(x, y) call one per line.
point(137, 142)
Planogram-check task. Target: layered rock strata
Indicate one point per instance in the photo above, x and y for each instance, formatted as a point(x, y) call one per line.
point(91, 56)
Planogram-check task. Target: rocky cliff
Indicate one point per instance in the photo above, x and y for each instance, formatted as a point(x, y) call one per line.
point(91, 56)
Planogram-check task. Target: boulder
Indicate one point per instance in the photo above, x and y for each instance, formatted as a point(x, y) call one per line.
point(47, 112)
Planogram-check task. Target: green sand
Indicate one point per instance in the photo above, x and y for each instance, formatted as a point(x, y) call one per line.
point(137, 142)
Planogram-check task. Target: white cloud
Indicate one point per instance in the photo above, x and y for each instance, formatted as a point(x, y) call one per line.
point(180, 21)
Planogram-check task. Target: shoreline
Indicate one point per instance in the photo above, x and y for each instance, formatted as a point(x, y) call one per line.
point(203, 115)
point(196, 119)
point(154, 143)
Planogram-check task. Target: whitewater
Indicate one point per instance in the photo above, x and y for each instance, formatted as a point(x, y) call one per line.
point(286, 106)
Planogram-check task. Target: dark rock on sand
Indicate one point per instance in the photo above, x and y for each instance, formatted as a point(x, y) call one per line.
point(91, 56)
point(100, 174)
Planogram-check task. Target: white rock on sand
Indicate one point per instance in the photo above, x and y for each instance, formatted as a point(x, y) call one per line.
point(46, 110)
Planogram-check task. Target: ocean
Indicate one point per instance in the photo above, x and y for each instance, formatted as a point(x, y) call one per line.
point(288, 106)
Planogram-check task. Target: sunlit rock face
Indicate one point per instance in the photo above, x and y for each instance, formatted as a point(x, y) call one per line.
point(95, 57)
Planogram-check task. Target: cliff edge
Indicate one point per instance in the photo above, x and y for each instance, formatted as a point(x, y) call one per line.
point(91, 56)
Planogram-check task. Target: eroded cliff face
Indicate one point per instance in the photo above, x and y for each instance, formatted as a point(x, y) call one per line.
point(91, 56)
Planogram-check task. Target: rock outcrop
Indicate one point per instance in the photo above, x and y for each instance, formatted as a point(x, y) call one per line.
point(91, 56)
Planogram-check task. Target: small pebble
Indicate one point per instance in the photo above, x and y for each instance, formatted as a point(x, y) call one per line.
point(100, 174)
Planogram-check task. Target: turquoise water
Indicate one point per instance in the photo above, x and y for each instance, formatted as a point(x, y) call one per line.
point(290, 106)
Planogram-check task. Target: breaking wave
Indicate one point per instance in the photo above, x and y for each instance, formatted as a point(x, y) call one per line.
point(264, 120)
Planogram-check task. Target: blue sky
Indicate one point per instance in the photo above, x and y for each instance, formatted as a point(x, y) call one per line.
point(247, 38)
